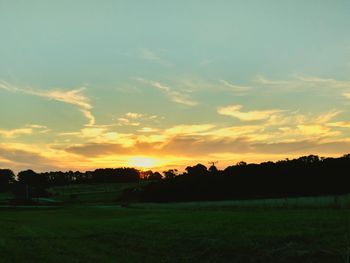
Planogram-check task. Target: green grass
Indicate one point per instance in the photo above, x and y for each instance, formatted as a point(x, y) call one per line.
point(110, 193)
point(80, 193)
point(287, 203)
point(90, 193)
point(5, 196)
point(92, 227)
point(173, 233)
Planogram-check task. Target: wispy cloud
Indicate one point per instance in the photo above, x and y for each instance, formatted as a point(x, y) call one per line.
point(234, 87)
point(127, 122)
point(188, 130)
point(340, 124)
point(174, 95)
point(136, 119)
point(15, 132)
point(347, 95)
point(206, 62)
point(255, 115)
point(261, 79)
point(151, 55)
point(148, 130)
point(324, 81)
point(326, 117)
point(26, 130)
point(134, 115)
point(299, 83)
point(73, 97)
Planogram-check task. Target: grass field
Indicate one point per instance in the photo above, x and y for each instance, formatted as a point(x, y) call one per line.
point(91, 193)
point(87, 225)
point(111, 193)
point(4, 196)
point(173, 233)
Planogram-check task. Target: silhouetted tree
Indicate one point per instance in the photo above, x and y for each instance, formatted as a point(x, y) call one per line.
point(213, 170)
point(170, 174)
point(241, 163)
point(155, 176)
point(197, 170)
point(31, 178)
point(7, 177)
point(30, 185)
point(146, 174)
point(304, 176)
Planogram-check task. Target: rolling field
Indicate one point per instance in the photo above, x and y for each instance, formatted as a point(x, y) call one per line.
point(84, 223)
point(173, 233)
point(111, 193)
point(90, 193)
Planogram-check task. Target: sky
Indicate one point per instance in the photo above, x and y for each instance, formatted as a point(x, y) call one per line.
point(167, 84)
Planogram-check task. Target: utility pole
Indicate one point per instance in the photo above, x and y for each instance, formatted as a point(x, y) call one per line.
point(212, 169)
point(213, 163)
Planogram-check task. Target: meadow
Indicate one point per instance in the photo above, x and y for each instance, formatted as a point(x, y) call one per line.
point(90, 193)
point(88, 230)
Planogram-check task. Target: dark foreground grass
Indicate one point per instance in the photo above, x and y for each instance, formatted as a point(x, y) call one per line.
point(181, 234)
point(91, 193)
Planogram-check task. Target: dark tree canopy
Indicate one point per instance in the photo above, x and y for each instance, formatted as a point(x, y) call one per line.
point(197, 170)
point(7, 177)
point(29, 177)
point(213, 170)
point(170, 174)
point(306, 176)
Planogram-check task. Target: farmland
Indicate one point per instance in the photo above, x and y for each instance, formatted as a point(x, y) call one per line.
point(313, 229)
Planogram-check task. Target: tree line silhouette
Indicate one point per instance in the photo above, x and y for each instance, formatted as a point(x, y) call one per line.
point(29, 184)
point(305, 176)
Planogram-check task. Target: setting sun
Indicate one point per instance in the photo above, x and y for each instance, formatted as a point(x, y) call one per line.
point(143, 162)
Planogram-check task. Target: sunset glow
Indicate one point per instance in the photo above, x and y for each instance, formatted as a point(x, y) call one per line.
point(86, 85)
point(143, 162)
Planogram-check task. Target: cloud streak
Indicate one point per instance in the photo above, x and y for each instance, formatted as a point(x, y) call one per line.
point(173, 95)
point(150, 55)
point(27, 130)
point(234, 87)
point(73, 97)
point(135, 119)
point(300, 83)
point(255, 115)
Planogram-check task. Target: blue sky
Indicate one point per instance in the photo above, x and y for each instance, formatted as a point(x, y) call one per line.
point(87, 84)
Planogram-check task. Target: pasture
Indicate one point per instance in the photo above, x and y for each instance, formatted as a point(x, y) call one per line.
point(173, 233)
point(111, 194)
point(87, 223)
point(91, 193)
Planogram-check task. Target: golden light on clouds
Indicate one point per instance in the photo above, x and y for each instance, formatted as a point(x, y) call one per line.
point(122, 93)
point(255, 115)
point(155, 140)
